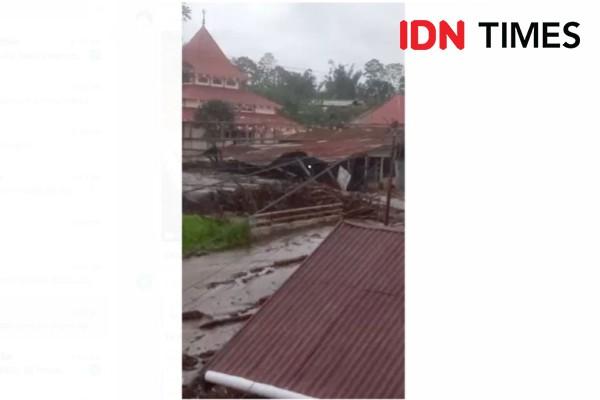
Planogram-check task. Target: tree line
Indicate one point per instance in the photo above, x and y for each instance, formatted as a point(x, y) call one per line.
point(300, 93)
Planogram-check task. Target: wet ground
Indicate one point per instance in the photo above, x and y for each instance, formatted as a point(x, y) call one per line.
point(205, 181)
point(222, 290)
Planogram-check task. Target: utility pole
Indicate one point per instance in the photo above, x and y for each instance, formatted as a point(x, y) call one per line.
point(394, 130)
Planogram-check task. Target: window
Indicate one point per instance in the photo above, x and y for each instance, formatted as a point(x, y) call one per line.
point(231, 82)
point(217, 81)
point(203, 79)
point(188, 73)
point(188, 77)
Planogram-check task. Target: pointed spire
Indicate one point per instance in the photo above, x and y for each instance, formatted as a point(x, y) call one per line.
point(203, 16)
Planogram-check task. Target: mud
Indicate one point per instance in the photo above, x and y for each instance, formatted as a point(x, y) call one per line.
point(224, 321)
point(195, 314)
point(225, 289)
point(189, 362)
point(289, 261)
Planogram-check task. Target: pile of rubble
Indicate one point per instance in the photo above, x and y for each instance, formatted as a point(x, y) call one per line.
point(247, 199)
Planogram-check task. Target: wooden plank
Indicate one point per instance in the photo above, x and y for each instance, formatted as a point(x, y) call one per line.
point(305, 216)
point(303, 184)
point(293, 210)
point(333, 213)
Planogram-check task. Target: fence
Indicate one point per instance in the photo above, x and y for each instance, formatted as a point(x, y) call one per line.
point(293, 216)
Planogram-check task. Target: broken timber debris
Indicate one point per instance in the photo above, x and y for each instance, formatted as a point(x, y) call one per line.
point(288, 261)
point(248, 199)
point(224, 321)
point(195, 314)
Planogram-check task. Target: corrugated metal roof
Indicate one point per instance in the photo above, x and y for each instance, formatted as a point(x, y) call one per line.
point(326, 145)
point(390, 111)
point(335, 329)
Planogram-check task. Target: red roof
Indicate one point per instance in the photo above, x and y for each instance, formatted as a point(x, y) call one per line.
point(335, 329)
point(205, 55)
point(390, 111)
point(235, 96)
point(323, 144)
point(270, 120)
point(266, 119)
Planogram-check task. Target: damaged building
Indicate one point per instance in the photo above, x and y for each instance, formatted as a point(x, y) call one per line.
point(359, 158)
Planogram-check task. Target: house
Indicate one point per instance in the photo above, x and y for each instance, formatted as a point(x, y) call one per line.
point(335, 329)
point(209, 75)
point(328, 104)
point(390, 112)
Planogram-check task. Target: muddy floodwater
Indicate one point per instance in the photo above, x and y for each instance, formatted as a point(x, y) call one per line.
point(222, 290)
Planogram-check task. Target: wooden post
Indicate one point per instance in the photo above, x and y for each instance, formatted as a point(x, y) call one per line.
point(389, 188)
point(366, 175)
point(333, 177)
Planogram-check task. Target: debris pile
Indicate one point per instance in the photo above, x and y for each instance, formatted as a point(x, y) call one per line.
point(248, 199)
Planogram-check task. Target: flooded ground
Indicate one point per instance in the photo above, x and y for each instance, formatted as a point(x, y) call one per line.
point(206, 181)
point(222, 290)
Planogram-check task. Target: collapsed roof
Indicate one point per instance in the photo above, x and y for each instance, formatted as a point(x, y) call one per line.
point(324, 144)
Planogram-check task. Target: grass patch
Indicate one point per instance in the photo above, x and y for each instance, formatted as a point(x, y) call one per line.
point(211, 234)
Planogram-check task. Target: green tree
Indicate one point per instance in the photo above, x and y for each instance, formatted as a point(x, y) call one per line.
point(375, 91)
point(216, 117)
point(292, 90)
point(186, 12)
point(394, 74)
point(342, 82)
point(249, 67)
point(374, 70)
point(266, 66)
point(382, 81)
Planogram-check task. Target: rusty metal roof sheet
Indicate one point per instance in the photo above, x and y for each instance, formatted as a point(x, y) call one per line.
point(326, 145)
point(390, 111)
point(335, 329)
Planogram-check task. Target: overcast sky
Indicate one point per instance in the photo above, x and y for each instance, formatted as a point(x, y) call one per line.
point(303, 35)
